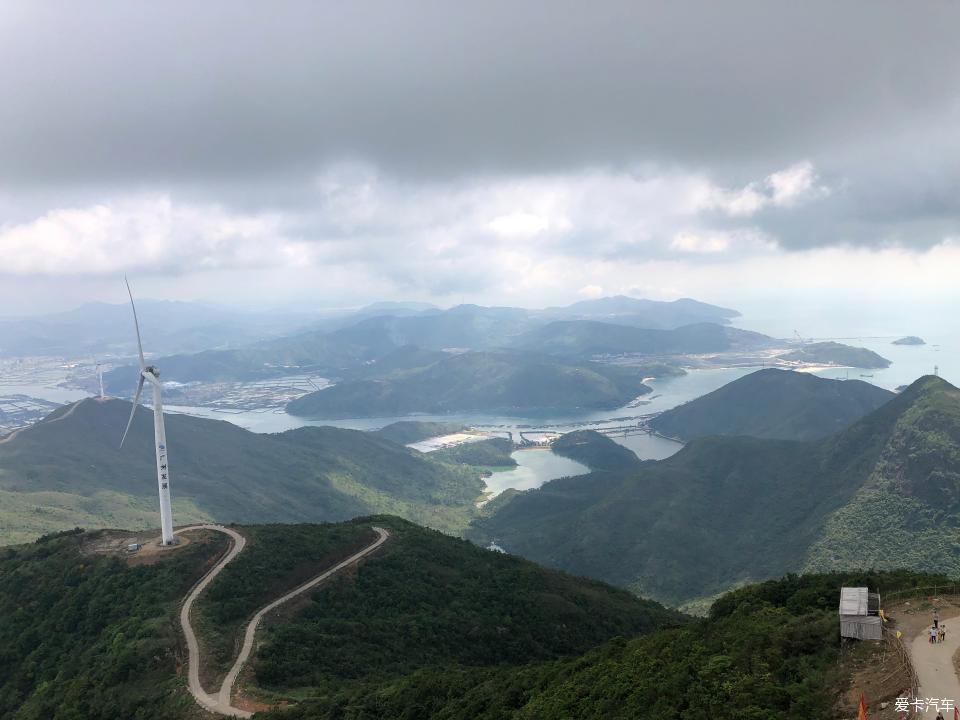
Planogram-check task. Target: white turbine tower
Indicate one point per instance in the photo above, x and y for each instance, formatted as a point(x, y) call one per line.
point(100, 377)
point(152, 374)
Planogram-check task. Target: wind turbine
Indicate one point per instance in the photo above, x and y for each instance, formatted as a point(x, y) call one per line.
point(152, 374)
point(100, 377)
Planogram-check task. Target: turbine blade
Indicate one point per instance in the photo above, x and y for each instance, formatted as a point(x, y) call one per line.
point(136, 324)
point(133, 410)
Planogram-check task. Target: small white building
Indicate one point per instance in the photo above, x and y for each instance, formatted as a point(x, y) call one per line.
point(860, 614)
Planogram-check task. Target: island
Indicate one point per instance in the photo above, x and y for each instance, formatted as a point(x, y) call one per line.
point(909, 340)
point(834, 353)
point(502, 382)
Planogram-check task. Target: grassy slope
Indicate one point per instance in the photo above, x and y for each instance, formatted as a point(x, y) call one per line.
point(25, 516)
point(772, 403)
point(223, 471)
point(725, 511)
point(88, 637)
point(479, 381)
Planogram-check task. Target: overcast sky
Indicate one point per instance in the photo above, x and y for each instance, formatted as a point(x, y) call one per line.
point(531, 153)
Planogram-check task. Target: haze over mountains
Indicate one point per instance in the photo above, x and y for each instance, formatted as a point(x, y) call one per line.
point(376, 331)
point(367, 354)
point(728, 510)
point(587, 338)
point(103, 329)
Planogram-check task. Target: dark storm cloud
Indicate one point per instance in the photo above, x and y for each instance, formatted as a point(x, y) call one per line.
point(161, 92)
point(417, 141)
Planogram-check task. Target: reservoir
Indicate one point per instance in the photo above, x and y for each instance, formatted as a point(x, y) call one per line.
point(534, 468)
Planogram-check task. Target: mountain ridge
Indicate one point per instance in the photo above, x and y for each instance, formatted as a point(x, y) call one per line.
point(727, 510)
point(773, 403)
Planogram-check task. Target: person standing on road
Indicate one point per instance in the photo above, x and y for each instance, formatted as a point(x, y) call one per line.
point(933, 634)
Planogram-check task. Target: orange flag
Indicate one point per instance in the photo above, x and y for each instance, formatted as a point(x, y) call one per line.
point(862, 715)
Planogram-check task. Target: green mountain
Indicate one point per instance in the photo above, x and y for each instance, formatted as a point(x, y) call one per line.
point(834, 353)
point(428, 627)
point(595, 450)
point(414, 606)
point(68, 470)
point(406, 432)
point(644, 313)
point(909, 340)
point(495, 382)
point(773, 403)
point(586, 338)
point(495, 452)
point(88, 635)
point(406, 357)
point(723, 511)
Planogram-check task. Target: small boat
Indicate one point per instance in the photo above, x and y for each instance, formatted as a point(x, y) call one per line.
point(862, 375)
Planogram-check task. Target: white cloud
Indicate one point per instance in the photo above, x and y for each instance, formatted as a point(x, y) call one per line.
point(690, 242)
point(518, 225)
point(784, 188)
point(362, 235)
point(149, 232)
point(591, 291)
point(793, 184)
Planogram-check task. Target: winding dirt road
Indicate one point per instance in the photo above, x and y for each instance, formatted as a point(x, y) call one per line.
point(221, 702)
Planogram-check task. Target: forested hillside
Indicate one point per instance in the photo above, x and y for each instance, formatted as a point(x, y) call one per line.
point(730, 510)
point(86, 636)
point(772, 403)
point(429, 626)
point(765, 652)
point(69, 469)
point(479, 381)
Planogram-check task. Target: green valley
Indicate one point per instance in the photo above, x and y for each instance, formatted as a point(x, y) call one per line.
point(68, 470)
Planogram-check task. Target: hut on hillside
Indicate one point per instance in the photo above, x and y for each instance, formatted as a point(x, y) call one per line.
point(860, 614)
